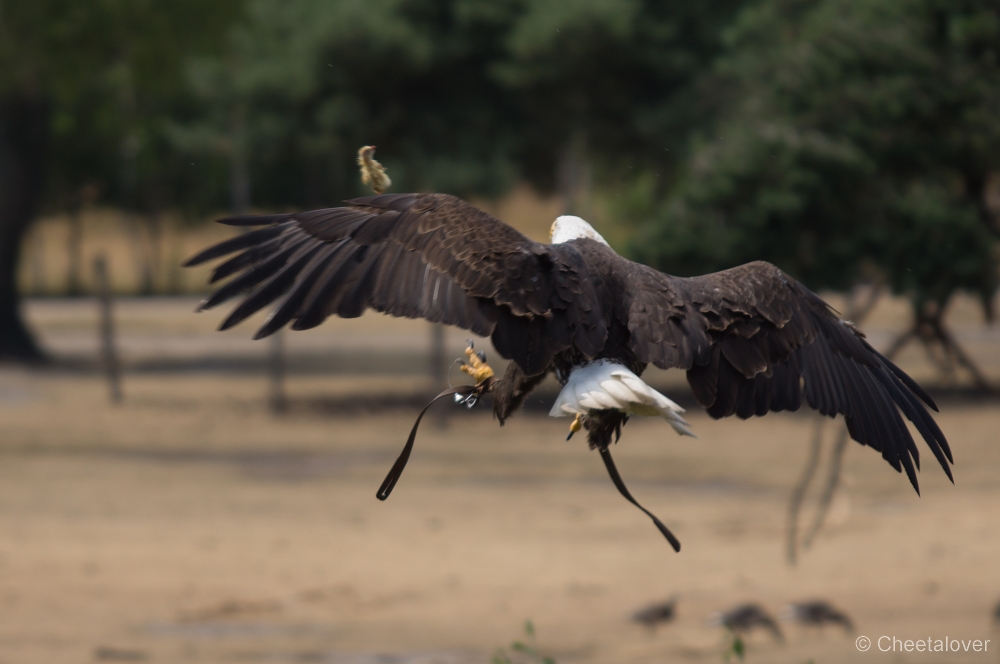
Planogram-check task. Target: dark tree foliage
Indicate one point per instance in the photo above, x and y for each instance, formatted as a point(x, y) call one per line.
point(303, 84)
point(617, 81)
point(836, 138)
point(199, 106)
point(861, 140)
point(464, 96)
point(84, 86)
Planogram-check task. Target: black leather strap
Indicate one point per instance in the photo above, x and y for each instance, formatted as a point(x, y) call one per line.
point(622, 489)
point(404, 456)
point(466, 390)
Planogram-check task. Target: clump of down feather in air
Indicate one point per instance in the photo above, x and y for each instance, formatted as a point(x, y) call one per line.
point(603, 385)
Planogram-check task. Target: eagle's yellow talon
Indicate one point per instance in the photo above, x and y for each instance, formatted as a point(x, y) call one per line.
point(476, 367)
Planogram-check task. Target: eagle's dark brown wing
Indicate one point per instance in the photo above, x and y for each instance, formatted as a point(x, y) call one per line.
point(429, 256)
point(753, 340)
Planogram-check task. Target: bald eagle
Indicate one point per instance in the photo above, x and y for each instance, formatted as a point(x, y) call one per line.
point(751, 338)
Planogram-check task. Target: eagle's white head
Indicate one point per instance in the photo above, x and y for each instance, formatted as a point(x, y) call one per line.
point(568, 227)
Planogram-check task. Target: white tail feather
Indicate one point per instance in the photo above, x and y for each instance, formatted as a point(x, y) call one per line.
point(604, 385)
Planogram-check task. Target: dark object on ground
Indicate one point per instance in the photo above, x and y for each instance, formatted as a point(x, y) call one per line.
point(818, 613)
point(105, 653)
point(996, 615)
point(654, 614)
point(747, 617)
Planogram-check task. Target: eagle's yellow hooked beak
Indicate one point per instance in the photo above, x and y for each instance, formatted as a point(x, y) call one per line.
point(575, 426)
point(476, 366)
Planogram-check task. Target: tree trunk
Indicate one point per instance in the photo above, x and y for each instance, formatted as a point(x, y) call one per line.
point(859, 305)
point(942, 349)
point(799, 493)
point(24, 135)
point(74, 252)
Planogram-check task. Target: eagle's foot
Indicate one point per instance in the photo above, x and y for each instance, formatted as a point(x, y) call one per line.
point(575, 426)
point(476, 365)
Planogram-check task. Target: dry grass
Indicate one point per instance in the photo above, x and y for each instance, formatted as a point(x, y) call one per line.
point(191, 525)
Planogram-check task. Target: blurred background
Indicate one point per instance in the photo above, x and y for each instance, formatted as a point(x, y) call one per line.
point(173, 494)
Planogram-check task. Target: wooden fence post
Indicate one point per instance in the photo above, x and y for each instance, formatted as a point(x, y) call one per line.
point(276, 364)
point(438, 371)
point(109, 350)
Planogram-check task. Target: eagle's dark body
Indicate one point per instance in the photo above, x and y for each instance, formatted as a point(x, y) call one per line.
point(751, 339)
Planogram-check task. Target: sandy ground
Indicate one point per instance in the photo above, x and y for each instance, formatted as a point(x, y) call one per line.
point(191, 525)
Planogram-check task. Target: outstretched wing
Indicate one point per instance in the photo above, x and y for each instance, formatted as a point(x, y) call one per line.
point(429, 256)
point(752, 340)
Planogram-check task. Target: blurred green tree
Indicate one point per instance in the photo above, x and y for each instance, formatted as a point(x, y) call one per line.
point(609, 84)
point(465, 96)
point(304, 83)
point(862, 140)
point(159, 105)
point(84, 89)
